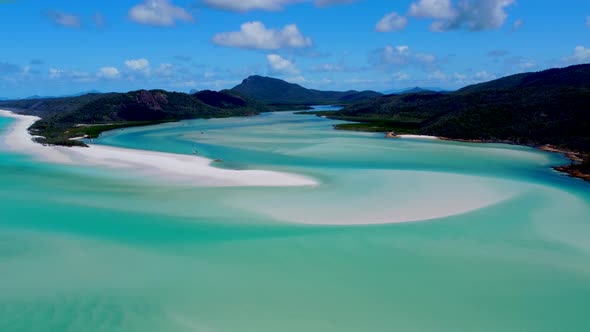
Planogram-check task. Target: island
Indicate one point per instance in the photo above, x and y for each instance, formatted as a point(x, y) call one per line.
point(548, 110)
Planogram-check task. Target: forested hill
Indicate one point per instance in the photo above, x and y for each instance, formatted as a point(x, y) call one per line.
point(548, 107)
point(64, 118)
point(278, 92)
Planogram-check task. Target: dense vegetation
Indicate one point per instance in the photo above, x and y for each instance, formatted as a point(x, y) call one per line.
point(273, 91)
point(43, 107)
point(89, 115)
point(548, 107)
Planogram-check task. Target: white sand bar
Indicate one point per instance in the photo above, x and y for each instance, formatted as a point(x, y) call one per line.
point(175, 168)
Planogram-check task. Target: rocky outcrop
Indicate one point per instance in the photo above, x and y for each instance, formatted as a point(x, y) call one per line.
point(146, 98)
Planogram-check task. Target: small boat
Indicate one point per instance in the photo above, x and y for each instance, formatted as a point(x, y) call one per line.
point(196, 152)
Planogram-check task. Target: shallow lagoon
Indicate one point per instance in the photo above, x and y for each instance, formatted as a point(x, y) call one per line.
point(462, 237)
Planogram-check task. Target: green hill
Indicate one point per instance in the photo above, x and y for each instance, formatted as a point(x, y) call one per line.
point(548, 107)
point(278, 92)
point(64, 118)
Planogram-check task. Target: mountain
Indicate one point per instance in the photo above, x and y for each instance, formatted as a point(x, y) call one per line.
point(82, 93)
point(39, 97)
point(548, 107)
point(49, 106)
point(63, 118)
point(278, 92)
point(413, 90)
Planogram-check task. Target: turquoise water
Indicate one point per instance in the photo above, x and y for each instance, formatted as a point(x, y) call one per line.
point(500, 242)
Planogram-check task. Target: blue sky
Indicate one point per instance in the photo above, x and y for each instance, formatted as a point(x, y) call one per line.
point(69, 46)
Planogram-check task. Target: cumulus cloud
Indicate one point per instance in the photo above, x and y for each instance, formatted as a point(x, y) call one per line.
point(581, 55)
point(400, 76)
point(139, 66)
point(108, 72)
point(64, 19)
point(55, 73)
point(484, 76)
point(437, 9)
point(296, 79)
point(459, 79)
point(266, 5)
point(326, 3)
point(70, 75)
point(165, 70)
point(247, 5)
point(255, 35)
point(328, 68)
point(473, 15)
point(279, 65)
point(391, 22)
point(402, 56)
point(158, 13)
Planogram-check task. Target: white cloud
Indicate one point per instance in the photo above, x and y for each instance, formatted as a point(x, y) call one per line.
point(71, 75)
point(165, 70)
point(484, 76)
point(400, 76)
point(459, 79)
point(266, 5)
point(296, 79)
point(328, 67)
point(108, 72)
point(325, 3)
point(55, 73)
point(581, 55)
point(139, 65)
point(473, 15)
point(256, 36)
point(280, 65)
point(64, 19)
point(437, 75)
point(391, 22)
point(247, 5)
point(158, 13)
point(402, 55)
point(517, 24)
point(437, 9)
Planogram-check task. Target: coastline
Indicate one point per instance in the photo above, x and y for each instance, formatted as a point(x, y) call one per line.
point(152, 165)
point(570, 170)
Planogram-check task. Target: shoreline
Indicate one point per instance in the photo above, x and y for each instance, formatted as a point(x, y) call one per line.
point(569, 170)
point(158, 166)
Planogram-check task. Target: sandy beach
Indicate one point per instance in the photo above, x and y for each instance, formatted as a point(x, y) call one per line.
point(419, 136)
point(158, 166)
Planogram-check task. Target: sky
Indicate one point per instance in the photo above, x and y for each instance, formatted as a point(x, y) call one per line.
point(62, 47)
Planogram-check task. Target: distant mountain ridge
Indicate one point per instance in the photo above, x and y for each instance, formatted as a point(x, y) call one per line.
point(413, 90)
point(275, 91)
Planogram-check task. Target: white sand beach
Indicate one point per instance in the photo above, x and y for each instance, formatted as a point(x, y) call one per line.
point(418, 136)
point(172, 168)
